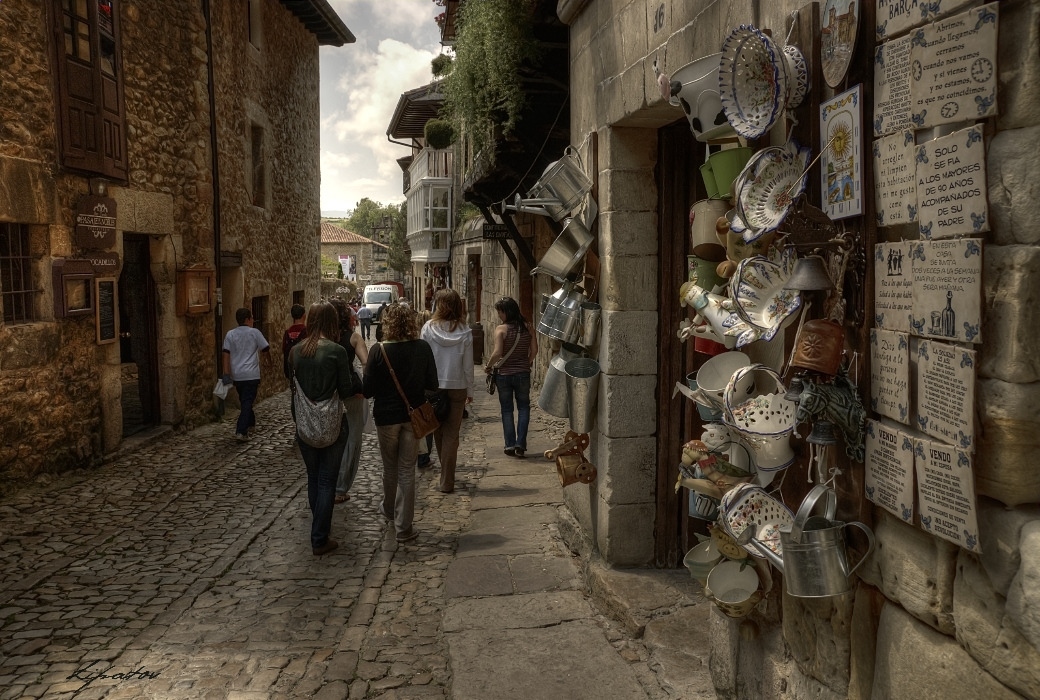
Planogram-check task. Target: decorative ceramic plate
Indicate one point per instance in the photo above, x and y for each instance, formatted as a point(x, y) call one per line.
point(752, 81)
point(769, 184)
point(746, 505)
point(838, 38)
point(758, 293)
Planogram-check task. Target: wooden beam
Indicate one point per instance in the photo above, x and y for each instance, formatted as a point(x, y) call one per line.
point(491, 220)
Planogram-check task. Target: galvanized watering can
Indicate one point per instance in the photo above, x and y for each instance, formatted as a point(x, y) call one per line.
point(812, 555)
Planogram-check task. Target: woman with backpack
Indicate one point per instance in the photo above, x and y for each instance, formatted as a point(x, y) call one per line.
point(321, 371)
point(452, 344)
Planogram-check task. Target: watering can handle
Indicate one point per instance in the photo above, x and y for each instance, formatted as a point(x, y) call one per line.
point(870, 547)
point(816, 493)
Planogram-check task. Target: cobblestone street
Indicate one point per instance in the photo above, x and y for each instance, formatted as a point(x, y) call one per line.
point(183, 570)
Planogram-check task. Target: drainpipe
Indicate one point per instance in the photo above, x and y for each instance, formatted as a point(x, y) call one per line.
point(215, 167)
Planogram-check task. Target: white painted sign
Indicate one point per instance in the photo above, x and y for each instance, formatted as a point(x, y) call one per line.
point(951, 185)
point(946, 490)
point(893, 286)
point(890, 374)
point(947, 289)
point(889, 478)
point(953, 69)
point(892, 104)
point(946, 393)
point(895, 179)
point(841, 144)
point(896, 16)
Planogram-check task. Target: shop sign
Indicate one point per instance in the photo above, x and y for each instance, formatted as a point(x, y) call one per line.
point(947, 289)
point(951, 185)
point(895, 179)
point(104, 264)
point(841, 146)
point(95, 222)
point(946, 393)
point(890, 374)
point(495, 232)
point(893, 286)
point(953, 69)
point(889, 478)
point(946, 491)
point(896, 16)
point(892, 87)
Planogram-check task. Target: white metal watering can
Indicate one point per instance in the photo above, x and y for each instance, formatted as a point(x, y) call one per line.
point(812, 555)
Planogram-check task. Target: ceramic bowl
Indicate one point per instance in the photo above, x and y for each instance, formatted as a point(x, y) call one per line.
point(752, 81)
point(734, 588)
point(769, 184)
point(702, 559)
point(699, 98)
point(758, 293)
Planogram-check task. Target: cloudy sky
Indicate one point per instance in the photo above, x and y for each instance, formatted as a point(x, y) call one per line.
point(360, 86)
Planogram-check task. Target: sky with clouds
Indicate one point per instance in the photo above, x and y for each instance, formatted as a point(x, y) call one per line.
point(360, 86)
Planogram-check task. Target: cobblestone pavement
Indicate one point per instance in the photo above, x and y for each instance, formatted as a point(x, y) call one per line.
point(183, 569)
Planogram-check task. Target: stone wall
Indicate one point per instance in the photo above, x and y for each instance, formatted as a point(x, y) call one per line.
point(966, 617)
point(60, 392)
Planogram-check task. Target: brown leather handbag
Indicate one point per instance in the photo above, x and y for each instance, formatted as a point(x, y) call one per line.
point(423, 420)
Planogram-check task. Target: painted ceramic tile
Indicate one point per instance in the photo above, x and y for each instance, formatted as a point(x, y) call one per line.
point(841, 144)
point(947, 289)
point(896, 16)
point(890, 374)
point(946, 393)
point(951, 185)
point(953, 69)
point(890, 469)
point(895, 179)
point(892, 106)
point(946, 491)
point(893, 286)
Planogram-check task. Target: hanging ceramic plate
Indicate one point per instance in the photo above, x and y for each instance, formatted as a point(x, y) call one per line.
point(752, 81)
point(769, 184)
point(758, 293)
point(838, 38)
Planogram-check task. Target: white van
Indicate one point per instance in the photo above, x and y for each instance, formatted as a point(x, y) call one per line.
point(375, 295)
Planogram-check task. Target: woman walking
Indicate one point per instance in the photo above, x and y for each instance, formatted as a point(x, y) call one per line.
point(321, 367)
point(404, 355)
point(452, 344)
point(514, 352)
point(354, 407)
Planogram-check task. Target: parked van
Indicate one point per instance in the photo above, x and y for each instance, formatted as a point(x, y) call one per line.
point(375, 295)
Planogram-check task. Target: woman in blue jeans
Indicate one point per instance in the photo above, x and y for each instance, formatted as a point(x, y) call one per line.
point(514, 351)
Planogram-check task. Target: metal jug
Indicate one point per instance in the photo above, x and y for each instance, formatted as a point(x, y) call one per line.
point(553, 398)
point(812, 555)
point(562, 318)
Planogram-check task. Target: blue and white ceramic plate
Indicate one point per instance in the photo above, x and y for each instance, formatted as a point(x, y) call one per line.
point(769, 184)
point(758, 293)
point(752, 81)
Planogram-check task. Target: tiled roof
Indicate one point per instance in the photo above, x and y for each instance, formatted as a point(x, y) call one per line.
point(331, 233)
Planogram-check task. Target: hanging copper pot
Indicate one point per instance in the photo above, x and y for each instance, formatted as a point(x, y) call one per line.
point(819, 347)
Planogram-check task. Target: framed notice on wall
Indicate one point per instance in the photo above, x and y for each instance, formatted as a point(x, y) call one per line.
point(106, 310)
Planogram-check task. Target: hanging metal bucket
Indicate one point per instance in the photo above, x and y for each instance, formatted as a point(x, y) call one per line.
point(553, 397)
point(590, 317)
point(582, 388)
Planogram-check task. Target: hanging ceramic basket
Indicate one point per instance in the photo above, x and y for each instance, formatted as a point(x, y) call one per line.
point(753, 77)
point(764, 422)
point(749, 506)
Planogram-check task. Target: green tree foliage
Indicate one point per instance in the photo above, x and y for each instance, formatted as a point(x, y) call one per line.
point(369, 219)
point(330, 267)
point(483, 88)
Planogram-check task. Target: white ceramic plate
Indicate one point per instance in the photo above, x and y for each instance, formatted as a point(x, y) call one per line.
point(758, 293)
point(769, 184)
point(752, 81)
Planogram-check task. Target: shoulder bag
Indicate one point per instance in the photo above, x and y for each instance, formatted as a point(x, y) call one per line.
point(317, 422)
point(492, 377)
point(423, 420)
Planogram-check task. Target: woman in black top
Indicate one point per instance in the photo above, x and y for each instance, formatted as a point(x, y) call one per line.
point(322, 368)
point(413, 363)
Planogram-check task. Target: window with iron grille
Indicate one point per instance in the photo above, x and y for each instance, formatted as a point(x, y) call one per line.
point(16, 287)
point(260, 315)
point(258, 165)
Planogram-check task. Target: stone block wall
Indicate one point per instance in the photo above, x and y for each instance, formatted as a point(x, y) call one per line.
point(926, 619)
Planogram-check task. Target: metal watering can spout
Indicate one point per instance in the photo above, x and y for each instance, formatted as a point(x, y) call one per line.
point(768, 553)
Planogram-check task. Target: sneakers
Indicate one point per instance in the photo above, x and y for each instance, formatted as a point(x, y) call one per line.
point(409, 534)
point(510, 451)
point(325, 548)
point(241, 437)
point(519, 452)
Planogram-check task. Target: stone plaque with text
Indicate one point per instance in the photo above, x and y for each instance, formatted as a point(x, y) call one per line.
point(951, 185)
point(893, 17)
point(890, 374)
point(889, 478)
point(946, 393)
point(893, 286)
point(946, 490)
point(947, 289)
point(892, 87)
point(895, 179)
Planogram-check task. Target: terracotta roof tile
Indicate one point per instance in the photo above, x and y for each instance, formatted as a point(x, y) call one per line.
point(331, 233)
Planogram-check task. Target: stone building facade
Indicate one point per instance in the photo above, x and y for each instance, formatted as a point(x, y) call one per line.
point(926, 619)
point(369, 255)
point(201, 130)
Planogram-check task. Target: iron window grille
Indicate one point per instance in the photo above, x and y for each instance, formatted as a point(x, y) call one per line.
point(16, 287)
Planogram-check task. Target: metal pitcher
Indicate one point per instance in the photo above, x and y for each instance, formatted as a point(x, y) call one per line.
point(812, 555)
point(563, 318)
point(553, 398)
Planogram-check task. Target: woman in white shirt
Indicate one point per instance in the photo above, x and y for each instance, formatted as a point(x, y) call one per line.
point(452, 344)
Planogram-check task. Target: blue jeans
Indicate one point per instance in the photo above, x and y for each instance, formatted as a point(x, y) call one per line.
point(246, 396)
point(510, 387)
point(366, 328)
point(322, 469)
